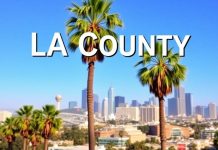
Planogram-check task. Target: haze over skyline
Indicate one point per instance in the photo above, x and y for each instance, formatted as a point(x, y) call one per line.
point(32, 80)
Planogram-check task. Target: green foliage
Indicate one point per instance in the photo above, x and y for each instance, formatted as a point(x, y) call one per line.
point(192, 146)
point(198, 128)
point(28, 124)
point(93, 16)
point(79, 136)
point(138, 146)
point(161, 73)
point(110, 146)
point(113, 122)
point(215, 140)
point(171, 148)
point(17, 144)
point(144, 128)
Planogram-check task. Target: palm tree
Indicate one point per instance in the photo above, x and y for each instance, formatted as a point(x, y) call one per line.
point(35, 130)
point(24, 118)
point(9, 130)
point(50, 123)
point(161, 74)
point(92, 16)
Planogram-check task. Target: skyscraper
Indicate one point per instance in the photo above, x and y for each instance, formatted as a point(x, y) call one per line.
point(176, 105)
point(180, 96)
point(135, 103)
point(119, 100)
point(105, 108)
point(111, 105)
point(188, 104)
point(96, 103)
point(84, 99)
point(72, 104)
point(200, 110)
point(172, 107)
point(212, 111)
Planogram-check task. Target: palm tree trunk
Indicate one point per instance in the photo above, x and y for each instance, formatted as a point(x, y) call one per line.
point(45, 144)
point(34, 147)
point(27, 144)
point(10, 146)
point(90, 106)
point(24, 143)
point(162, 124)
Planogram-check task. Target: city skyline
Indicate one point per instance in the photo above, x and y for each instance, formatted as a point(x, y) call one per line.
point(36, 81)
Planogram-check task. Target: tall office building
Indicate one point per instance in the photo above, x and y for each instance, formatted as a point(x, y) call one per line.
point(72, 104)
point(119, 100)
point(176, 105)
point(135, 103)
point(188, 103)
point(149, 114)
point(212, 111)
point(180, 96)
point(84, 100)
point(172, 107)
point(96, 103)
point(111, 105)
point(153, 101)
point(105, 108)
point(200, 110)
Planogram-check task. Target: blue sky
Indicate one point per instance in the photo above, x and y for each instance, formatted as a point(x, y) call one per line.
point(29, 80)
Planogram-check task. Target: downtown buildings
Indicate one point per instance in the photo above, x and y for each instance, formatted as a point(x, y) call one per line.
point(180, 104)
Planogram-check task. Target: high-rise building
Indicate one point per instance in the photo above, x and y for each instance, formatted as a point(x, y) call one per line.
point(149, 114)
point(172, 107)
point(119, 100)
point(212, 111)
point(153, 101)
point(200, 110)
point(176, 105)
point(129, 113)
point(188, 103)
point(96, 103)
point(180, 96)
point(105, 108)
point(72, 104)
point(135, 103)
point(84, 100)
point(111, 105)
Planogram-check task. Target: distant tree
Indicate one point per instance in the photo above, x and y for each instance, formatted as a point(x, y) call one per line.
point(23, 122)
point(171, 148)
point(215, 141)
point(9, 131)
point(79, 136)
point(110, 146)
point(50, 124)
point(35, 136)
point(192, 146)
point(144, 129)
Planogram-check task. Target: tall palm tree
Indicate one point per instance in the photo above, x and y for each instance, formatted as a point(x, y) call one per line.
point(161, 74)
point(35, 130)
point(9, 130)
point(24, 118)
point(92, 16)
point(51, 123)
